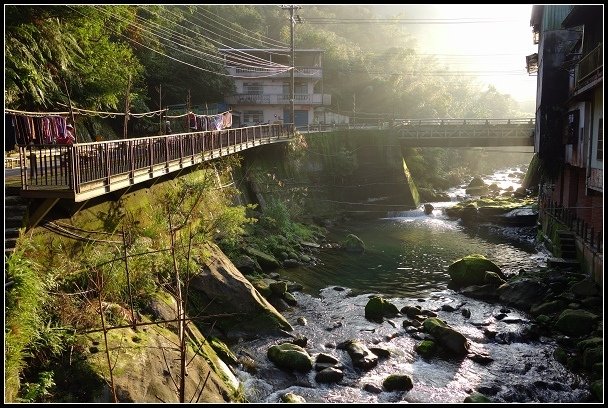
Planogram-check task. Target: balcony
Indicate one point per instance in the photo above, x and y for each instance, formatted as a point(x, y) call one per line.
point(590, 67)
point(279, 99)
point(300, 72)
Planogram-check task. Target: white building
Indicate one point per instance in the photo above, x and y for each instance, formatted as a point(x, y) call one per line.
point(262, 93)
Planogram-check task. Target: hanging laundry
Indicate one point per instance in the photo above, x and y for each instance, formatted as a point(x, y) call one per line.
point(227, 118)
point(192, 122)
point(218, 122)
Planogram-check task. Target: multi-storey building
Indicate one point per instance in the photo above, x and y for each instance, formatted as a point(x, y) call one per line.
point(569, 127)
point(262, 94)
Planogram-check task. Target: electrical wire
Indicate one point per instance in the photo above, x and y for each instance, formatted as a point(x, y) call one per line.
point(175, 33)
point(264, 61)
point(274, 43)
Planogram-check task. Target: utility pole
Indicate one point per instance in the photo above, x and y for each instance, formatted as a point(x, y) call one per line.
point(292, 9)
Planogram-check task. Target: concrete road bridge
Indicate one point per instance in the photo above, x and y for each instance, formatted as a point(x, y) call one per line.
point(447, 132)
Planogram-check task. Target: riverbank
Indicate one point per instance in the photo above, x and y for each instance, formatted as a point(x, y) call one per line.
point(522, 362)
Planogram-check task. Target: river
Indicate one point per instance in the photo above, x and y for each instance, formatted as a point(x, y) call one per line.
point(405, 261)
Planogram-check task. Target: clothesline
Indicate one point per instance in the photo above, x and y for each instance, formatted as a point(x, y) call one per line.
point(112, 114)
point(83, 112)
point(192, 113)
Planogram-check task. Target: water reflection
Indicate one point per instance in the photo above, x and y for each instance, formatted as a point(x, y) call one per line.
point(407, 255)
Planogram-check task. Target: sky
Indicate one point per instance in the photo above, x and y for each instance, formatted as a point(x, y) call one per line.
point(500, 45)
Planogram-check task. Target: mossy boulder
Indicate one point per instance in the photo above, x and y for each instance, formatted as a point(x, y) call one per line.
point(223, 351)
point(576, 322)
point(589, 343)
point(398, 382)
point(361, 356)
point(597, 387)
point(278, 288)
point(266, 261)
point(377, 307)
point(477, 181)
point(477, 397)
point(552, 306)
point(215, 289)
point(247, 265)
point(592, 356)
point(291, 398)
point(446, 336)
point(291, 357)
point(426, 348)
point(471, 270)
point(353, 243)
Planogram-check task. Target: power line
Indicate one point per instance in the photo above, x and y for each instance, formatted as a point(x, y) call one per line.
point(276, 42)
point(251, 59)
point(331, 20)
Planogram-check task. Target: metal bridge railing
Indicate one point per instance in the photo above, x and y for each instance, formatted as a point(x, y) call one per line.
point(69, 167)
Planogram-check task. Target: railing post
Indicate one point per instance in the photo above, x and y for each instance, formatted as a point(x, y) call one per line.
point(151, 153)
point(132, 162)
point(167, 152)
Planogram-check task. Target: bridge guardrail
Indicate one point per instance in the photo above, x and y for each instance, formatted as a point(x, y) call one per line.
point(69, 167)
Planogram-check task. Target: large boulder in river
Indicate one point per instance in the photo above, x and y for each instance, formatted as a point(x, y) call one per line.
point(290, 357)
point(398, 382)
point(576, 322)
point(522, 293)
point(377, 308)
point(471, 270)
point(361, 356)
point(446, 336)
point(477, 187)
point(353, 243)
point(216, 288)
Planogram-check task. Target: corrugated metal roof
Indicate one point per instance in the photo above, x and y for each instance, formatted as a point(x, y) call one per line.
point(553, 16)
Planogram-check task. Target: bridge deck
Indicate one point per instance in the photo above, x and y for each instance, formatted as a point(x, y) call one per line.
point(86, 170)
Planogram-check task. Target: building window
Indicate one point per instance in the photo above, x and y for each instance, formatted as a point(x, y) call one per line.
point(253, 116)
point(299, 88)
point(253, 88)
point(573, 123)
point(600, 139)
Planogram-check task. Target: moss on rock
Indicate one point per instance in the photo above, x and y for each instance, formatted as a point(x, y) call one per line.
point(290, 357)
point(471, 270)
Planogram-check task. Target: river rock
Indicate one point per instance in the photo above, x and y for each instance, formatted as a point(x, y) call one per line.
point(219, 283)
point(361, 356)
point(377, 308)
point(522, 293)
point(290, 357)
point(446, 336)
point(329, 375)
point(353, 243)
point(471, 270)
point(372, 388)
point(266, 261)
point(398, 382)
point(477, 397)
point(292, 398)
point(247, 265)
point(483, 292)
point(585, 288)
point(576, 323)
point(326, 358)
